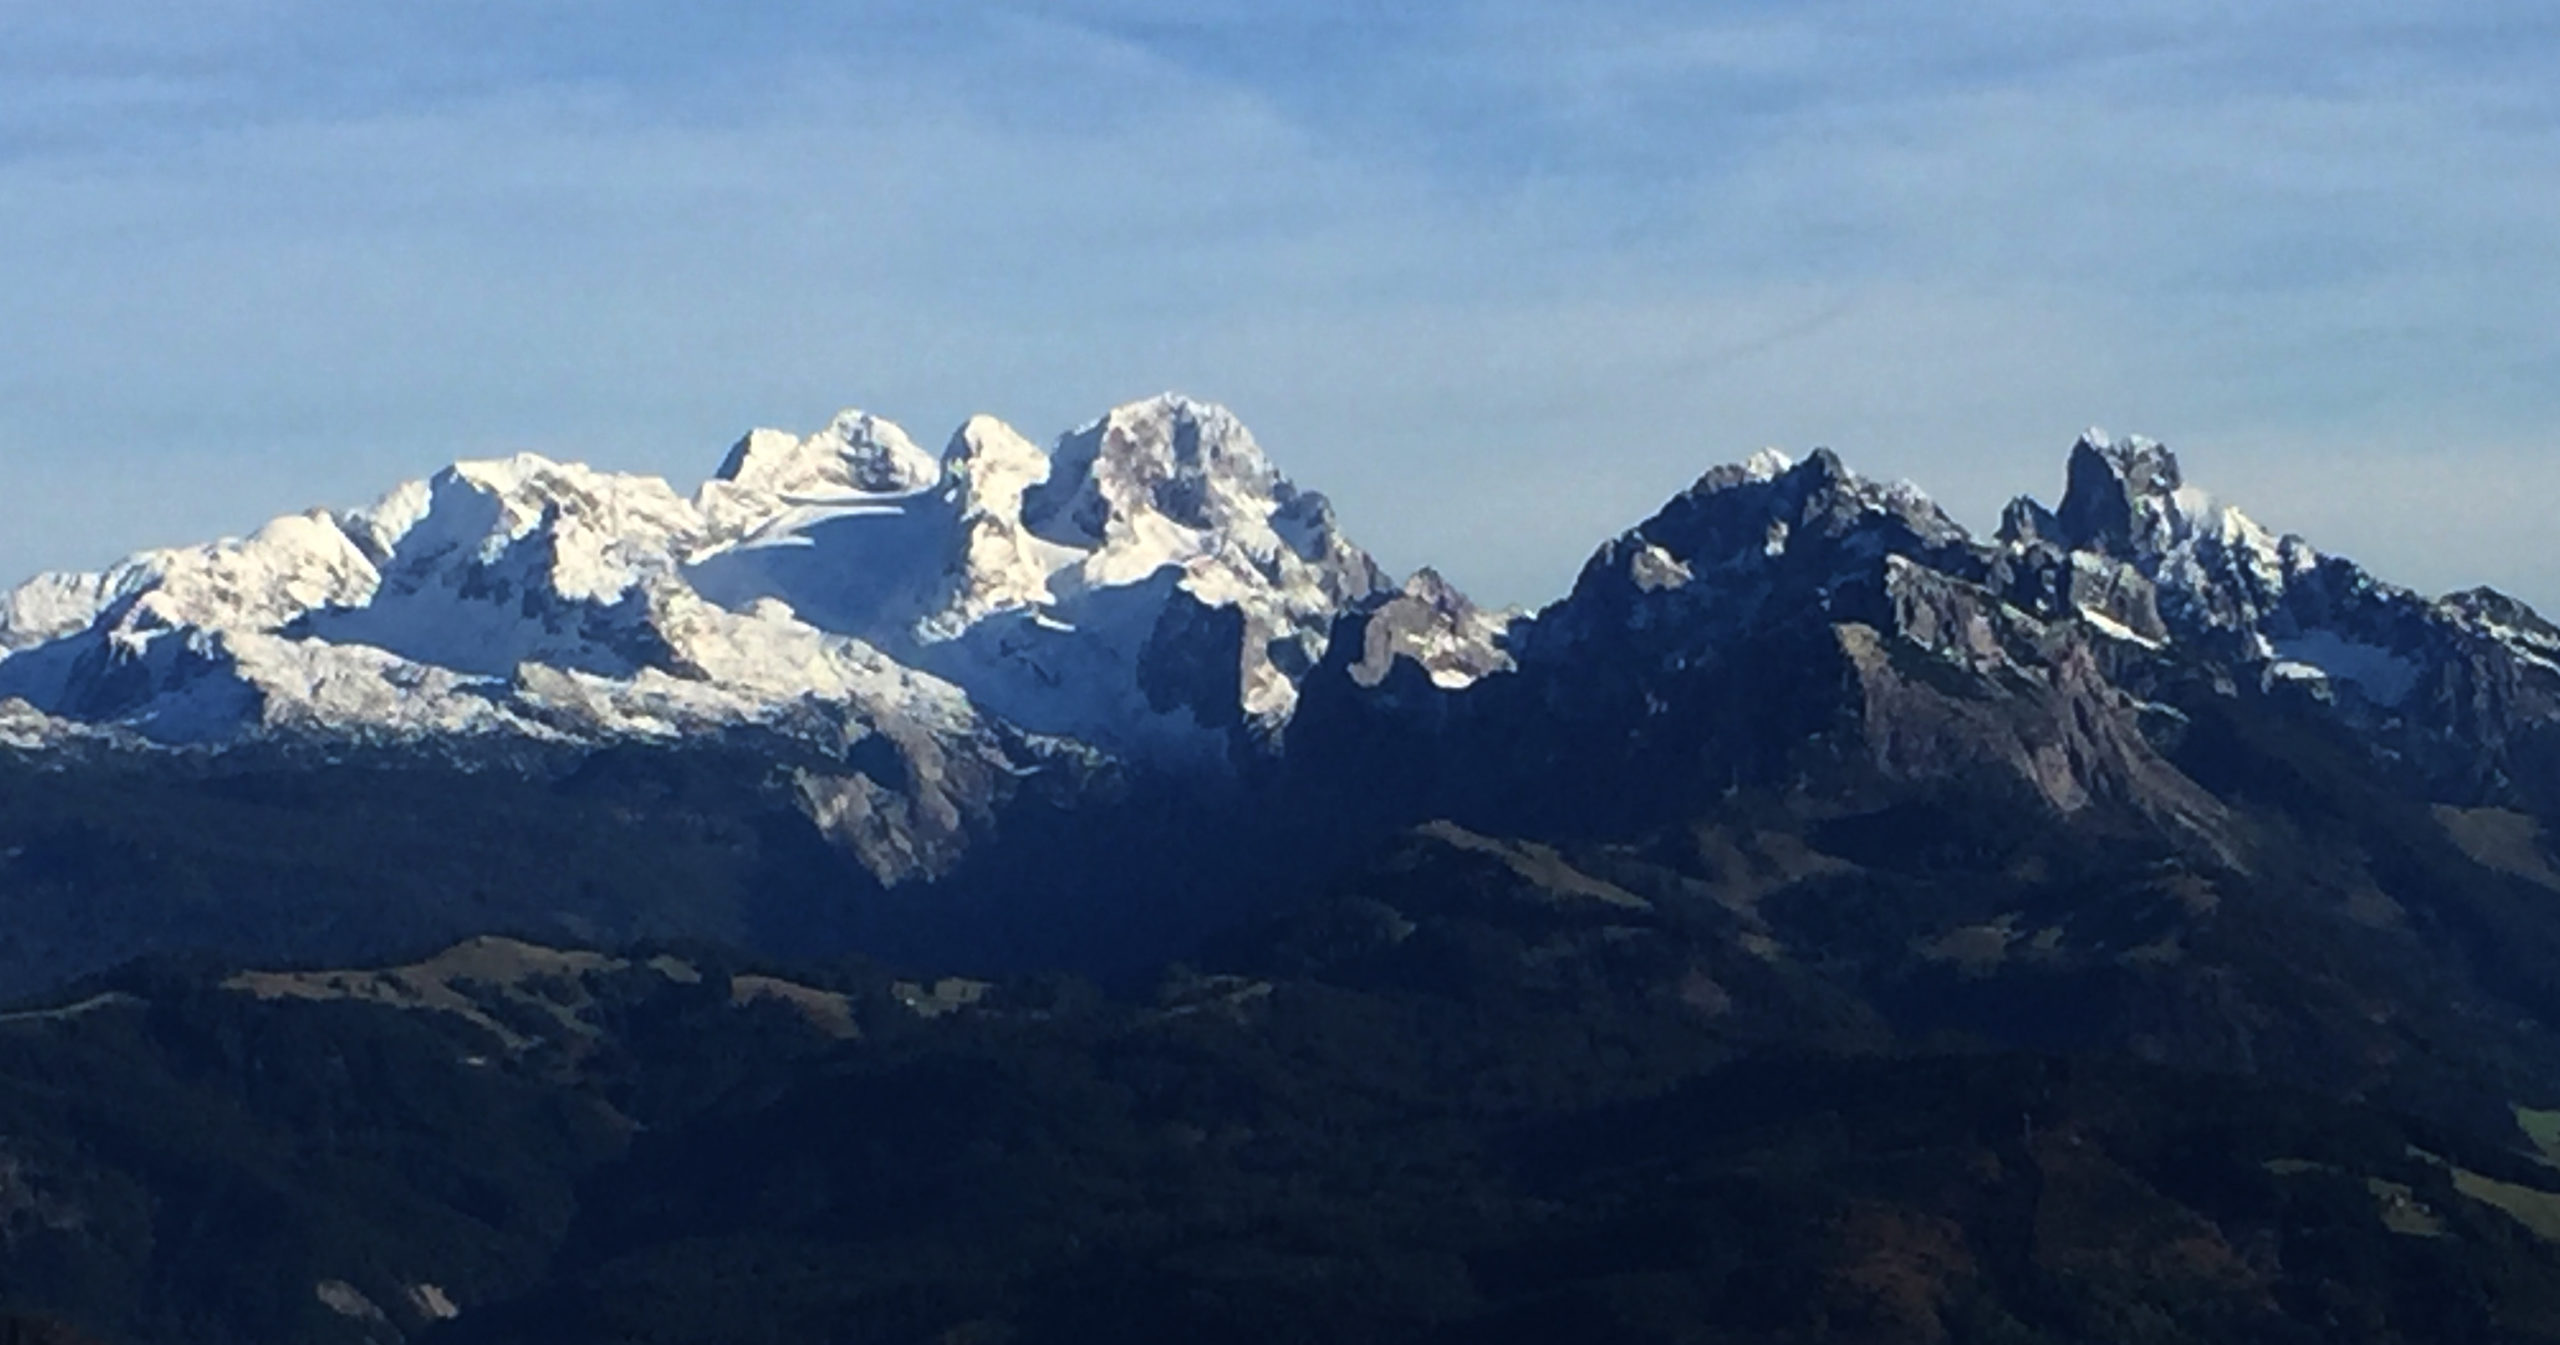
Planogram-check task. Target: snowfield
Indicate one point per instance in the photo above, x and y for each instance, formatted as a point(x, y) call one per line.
point(1151, 586)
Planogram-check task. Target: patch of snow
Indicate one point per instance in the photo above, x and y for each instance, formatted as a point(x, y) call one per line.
point(2114, 629)
point(432, 1303)
point(1767, 465)
point(1655, 569)
point(2382, 676)
point(347, 1301)
point(70, 1012)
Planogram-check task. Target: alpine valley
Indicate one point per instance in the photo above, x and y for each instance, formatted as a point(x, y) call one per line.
point(1076, 894)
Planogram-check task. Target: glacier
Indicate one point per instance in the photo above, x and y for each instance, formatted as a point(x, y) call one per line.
point(1151, 586)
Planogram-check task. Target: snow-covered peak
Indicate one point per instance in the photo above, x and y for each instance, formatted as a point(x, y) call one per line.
point(573, 532)
point(1772, 479)
point(284, 569)
point(1173, 486)
point(1146, 485)
point(1149, 587)
point(1079, 590)
point(56, 604)
point(857, 452)
point(2495, 613)
point(994, 464)
point(1767, 465)
point(1000, 565)
point(1767, 536)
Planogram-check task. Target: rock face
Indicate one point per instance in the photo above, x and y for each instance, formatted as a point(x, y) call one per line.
point(1429, 624)
point(1795, 625)
point(1794, 622)
point(2464, 688)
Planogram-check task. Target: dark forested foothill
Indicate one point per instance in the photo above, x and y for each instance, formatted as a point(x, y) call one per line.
point(1482, 1091)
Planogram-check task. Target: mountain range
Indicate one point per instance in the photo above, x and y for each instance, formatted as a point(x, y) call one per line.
point(1151, 595)
point(923, 643)
point(2179, 898)
point(849, 577)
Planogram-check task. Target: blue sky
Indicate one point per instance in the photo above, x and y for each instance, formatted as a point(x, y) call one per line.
point(1497, 276)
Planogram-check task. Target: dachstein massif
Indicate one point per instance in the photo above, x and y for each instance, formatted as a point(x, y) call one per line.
point(1074, 893)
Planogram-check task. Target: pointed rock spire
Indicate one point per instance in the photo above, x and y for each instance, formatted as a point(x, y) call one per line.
point(2110, 481)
